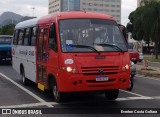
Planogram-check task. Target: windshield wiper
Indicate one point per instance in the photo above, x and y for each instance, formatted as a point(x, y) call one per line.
point(111, 45)
point(84, 46)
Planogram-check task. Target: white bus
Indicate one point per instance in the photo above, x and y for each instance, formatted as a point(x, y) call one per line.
point(23, 49)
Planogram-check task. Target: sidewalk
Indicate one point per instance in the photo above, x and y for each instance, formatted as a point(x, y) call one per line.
point(149, 71)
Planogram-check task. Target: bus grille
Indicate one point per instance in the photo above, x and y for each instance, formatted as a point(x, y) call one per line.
point(105, 70)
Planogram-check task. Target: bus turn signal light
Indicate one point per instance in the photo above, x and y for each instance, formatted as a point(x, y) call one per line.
point(124, 68)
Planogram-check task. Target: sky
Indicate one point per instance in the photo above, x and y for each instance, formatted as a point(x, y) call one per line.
point(25, 8)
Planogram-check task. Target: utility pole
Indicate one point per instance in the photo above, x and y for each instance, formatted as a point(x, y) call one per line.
point(33, 11)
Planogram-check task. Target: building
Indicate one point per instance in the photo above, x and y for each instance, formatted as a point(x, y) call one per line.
point(111, 7)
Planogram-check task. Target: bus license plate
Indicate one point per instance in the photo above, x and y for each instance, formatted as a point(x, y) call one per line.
point(101, 78)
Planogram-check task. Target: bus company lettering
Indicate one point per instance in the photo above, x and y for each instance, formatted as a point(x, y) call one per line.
point(24, 112)
point(23, 52)
point(31, 53)
point(26, 52)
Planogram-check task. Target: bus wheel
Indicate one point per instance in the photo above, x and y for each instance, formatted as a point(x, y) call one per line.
point(24, 80)
point(58, 96)
point(112, 94)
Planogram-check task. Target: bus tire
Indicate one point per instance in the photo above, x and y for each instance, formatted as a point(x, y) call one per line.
point(112, 94)
point(24, 80)
point(59, 97)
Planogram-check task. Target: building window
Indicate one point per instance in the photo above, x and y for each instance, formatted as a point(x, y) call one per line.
point(95, 9)
point(95, 4)
point(107, 10)
point(68, 5)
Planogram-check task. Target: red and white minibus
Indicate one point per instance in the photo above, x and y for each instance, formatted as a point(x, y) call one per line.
point(74, 51)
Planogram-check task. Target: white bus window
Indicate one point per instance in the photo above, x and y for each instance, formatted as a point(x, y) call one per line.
point(33, 36)
point(15, 38)
point(26, 37)
point(21, 35)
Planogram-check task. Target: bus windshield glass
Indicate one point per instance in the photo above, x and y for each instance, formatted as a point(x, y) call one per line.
point(91, 35)
point(5, 40)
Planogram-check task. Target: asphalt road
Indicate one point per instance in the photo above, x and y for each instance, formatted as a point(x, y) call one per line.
point(145, 94)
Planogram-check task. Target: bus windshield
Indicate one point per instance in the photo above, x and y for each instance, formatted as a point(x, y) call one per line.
point(91, 35)
point(5, 40)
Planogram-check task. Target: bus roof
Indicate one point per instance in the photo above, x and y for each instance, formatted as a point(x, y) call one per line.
point(62, 15)
point(27, 23)
point(73, 14)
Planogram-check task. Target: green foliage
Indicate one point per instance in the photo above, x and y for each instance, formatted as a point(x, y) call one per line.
point(0, 30)
point(7, 30)
point(129, 27)
point(145, 22)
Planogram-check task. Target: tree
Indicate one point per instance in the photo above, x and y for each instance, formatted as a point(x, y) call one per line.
point(145, 22)
point(7, 30)
point(0, 30)
point(135, 25)
point(151, 23)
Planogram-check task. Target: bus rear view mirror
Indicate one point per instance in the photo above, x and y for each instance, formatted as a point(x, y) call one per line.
point(123, 30)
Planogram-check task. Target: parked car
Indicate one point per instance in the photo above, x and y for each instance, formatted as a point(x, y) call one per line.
point(5, 49)
point(134, 56)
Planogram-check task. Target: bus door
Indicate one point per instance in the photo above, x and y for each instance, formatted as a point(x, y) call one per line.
point(42, 56)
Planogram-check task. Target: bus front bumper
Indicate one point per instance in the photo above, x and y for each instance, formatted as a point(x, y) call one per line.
point(81, 83)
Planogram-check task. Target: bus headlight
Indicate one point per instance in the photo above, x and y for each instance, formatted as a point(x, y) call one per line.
point(69, 69)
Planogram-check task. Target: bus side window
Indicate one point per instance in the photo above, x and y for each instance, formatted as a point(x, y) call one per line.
point(52, 44)
point(21, 36)
point(15, 38)
point(26, 37)
point(33, 36)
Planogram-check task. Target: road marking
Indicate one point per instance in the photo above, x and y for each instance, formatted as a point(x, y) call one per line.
point(24, 105)
point(26, 90)
point(118, 99)
point(133, 93)
point(151, 78)
point(134, 98)
point(91, 101)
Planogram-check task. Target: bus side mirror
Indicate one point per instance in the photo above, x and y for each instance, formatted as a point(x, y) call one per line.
point(123, 30)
